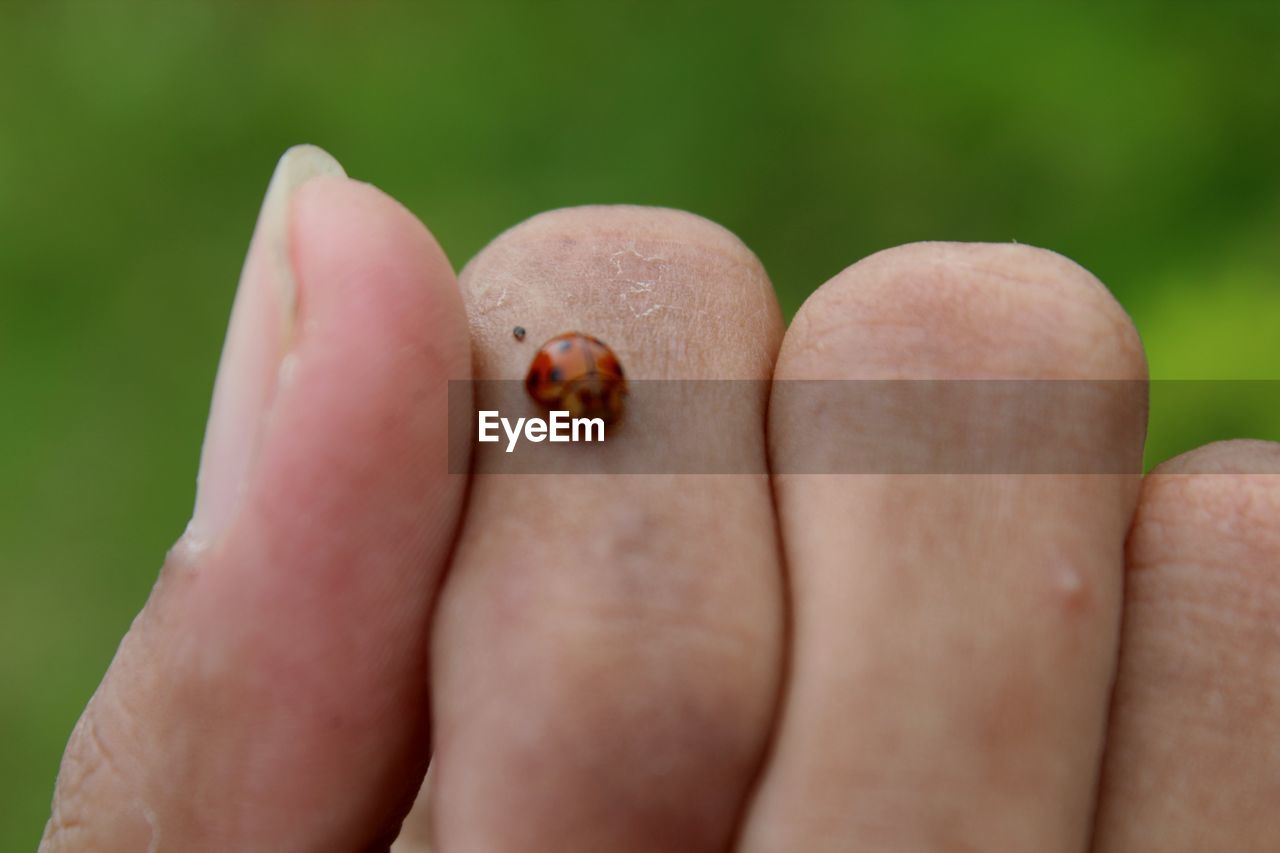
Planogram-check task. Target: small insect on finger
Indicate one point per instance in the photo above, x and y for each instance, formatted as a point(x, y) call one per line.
point(579, 374)
point(518, 333)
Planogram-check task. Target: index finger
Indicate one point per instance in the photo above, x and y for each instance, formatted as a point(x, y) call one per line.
point(607, 646)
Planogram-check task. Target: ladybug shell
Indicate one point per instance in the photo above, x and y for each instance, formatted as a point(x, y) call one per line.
point(578, 374)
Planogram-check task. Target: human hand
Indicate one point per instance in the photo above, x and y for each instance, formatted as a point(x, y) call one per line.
point(616, 663)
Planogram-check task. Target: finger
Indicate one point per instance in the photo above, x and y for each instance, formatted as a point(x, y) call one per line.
point(954, 634)
point(271, 695)
point(1191, 761)
point(607, 646)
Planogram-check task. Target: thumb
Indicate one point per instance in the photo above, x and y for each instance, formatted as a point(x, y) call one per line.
point(271, 693)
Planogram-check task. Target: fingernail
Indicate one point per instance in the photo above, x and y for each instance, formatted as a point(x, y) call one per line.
point(257, 339)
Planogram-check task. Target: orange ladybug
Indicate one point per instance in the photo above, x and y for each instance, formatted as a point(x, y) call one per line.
point(579, 374)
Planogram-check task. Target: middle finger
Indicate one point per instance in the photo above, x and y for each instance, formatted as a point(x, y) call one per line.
point(956, 587)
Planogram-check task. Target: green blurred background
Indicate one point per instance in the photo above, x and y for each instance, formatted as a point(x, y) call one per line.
point(137, 139)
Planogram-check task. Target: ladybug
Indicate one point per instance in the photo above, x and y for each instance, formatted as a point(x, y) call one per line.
point(579, 374)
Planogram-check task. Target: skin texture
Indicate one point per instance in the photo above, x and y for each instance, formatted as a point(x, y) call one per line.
point(691, 662)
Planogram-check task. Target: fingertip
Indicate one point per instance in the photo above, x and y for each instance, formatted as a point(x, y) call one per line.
point(967, 309)
point(352, 241)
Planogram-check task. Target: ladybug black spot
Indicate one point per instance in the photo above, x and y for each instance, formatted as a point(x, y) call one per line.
point(554, 375)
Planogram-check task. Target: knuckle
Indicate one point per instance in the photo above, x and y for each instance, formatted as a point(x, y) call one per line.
point(606, 223)
point(1202, 596)
point(998, 310)
point(1236, 456)
point(94, 769)
point(669, 283)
